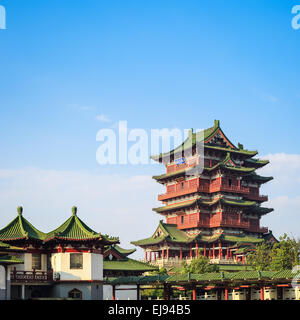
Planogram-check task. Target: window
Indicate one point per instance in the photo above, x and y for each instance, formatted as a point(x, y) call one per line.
point(229, 182)
point(76, 261)
point(36, 261)
point(182, 219)
point(75, 294)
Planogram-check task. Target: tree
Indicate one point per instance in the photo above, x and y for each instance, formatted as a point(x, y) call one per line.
point(198, 266)
point(276, 257)
point(260, 259)
point(285, 254)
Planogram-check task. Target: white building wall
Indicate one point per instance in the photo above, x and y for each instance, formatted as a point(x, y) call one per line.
point(120, 294)
point(92, 266)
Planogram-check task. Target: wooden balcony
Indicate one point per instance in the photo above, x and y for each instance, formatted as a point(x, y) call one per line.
point(17, 276)
point(229, 224)
point(207, 189)
point(184, 191)
point(259, 229)
point(228, 188)
point(257, 197)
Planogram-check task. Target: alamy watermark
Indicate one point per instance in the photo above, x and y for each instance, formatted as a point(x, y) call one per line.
point(135, 146)
point(2, 18)
point(296, 18)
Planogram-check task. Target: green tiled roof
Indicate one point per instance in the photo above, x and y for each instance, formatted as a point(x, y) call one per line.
point(208, 133)
point(169, 232)
point(75, 229)
point(175, 206)
point(285, 274)
point(137, 280)
point(234, 267)
point(20, 228)
point(249, 275)
point(127, 265)
point(259, 210)
point(256, 162)
point(256, 177)
point(213, 277)
point(125, 252)
point(242, 239)
point(10, 260)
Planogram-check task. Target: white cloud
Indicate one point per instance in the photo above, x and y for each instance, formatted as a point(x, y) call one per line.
point(284, 193)
point(102, 118)
point(87, 108)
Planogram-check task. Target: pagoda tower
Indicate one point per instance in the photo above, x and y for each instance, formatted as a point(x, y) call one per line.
point(215, 213)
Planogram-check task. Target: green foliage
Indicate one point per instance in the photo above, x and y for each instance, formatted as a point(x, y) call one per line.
point(198, 266)
point(279, 256)
point(162, 271)
point(152, 293)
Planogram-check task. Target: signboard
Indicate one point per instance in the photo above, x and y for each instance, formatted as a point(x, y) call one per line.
point(179, 161)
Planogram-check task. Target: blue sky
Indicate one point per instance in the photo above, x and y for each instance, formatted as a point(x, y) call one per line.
point(156, 64)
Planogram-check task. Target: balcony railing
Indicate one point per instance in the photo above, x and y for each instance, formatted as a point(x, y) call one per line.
point(258, 197)
point(207, 189)
point(31, 276)
point(259, 229)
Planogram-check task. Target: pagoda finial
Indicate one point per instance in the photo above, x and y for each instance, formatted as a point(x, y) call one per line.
point(217, 123)
point(74, 211)
point(20, 210)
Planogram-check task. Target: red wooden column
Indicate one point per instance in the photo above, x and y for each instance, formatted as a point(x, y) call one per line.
point(168, 253)
point(150, 254)
point(163, 253)
point(226, 293)
point(180, 253)
point(227, 254)
point(145, 255)
point(194, 294)
point(155, 256)
point(262, 293)
point(220, 250)
point(197, 250)
point(113, 292)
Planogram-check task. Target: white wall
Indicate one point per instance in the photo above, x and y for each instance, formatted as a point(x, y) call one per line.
point(120, 294)
point(2, 278)
point(92, 266)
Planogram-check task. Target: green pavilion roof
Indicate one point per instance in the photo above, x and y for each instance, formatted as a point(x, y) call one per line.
point(125, 252)
point(165, 232)
point(21, 229)
point(170, 233)
point(74, 229)
point(207, 135)
point(127, 265)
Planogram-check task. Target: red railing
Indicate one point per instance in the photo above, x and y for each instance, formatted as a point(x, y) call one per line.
point(258, 197)
point(259, 229)
point(31, 276)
